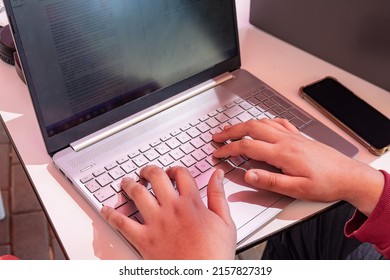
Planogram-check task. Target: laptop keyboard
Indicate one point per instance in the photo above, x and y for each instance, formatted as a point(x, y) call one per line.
point(191, 146)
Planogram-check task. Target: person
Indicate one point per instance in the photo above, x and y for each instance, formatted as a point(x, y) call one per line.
point(179, 226)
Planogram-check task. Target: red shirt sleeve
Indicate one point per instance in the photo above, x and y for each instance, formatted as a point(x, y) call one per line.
point(8, 257)
point(374, 229)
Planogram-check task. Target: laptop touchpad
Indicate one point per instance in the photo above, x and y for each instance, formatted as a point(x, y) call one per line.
point(246, 202)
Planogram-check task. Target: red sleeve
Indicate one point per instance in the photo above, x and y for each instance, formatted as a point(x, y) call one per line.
point(8, 257)
point(374, 229)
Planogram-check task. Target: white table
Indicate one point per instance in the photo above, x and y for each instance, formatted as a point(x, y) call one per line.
point(82, 232)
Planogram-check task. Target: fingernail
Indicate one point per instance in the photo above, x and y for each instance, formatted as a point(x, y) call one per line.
point(252, 176)
point(126, 180)
point(104, 209)
point(220, 175)
point(226, 127)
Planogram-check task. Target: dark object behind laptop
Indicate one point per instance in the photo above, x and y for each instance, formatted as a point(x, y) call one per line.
point(7, 47)
point(354, 35)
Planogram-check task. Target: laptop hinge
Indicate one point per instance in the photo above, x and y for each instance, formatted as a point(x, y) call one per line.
point(113, 129)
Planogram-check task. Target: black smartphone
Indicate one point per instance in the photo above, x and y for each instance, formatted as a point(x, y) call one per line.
point(358, 118)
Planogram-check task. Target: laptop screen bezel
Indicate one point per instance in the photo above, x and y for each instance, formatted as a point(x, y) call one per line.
point(65, 138)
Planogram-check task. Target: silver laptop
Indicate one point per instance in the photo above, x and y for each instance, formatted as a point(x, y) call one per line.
point(118, 85)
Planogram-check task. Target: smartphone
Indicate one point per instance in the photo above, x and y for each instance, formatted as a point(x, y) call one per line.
point(359, 119)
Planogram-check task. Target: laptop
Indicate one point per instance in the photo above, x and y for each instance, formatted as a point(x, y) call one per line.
point(117, 85)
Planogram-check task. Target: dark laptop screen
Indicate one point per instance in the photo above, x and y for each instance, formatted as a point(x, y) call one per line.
point(98, 61)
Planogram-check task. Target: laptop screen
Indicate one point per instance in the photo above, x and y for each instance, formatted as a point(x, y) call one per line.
point(91, 63)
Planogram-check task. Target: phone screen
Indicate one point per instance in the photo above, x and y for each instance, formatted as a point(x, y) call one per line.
point(368, 123)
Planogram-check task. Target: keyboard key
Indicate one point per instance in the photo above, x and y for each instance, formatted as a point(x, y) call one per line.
point(186, 127)
point(253, 101)
point(203, 166)
point(233, 111)
point(198, 155)
point(245, 105)
point(297, 123)
point(128, 167)
point(300, 115)
point(203, 118)
point(104, 193)
point(98, 172)
point(208, 149)
point(268, 92)
point(261, 97)
point(183, 138)
point(110, 166)
point(262, 107)
point(133, 154)
point(92, 186)
point(213, 113)
point(245, 116)
point(271, 114)
point(203, 179)
point(221, 109)
point(177, 154)
point(134, 175)
point(237, 160)
point(217, 145)
point(281, 102)
point(116, 186)
point(104, 179)
point(116, 173)
point(194, 171)
point(207, 137)
point(188, 161)
point(155, 143)
point(151, 154)
point(195, 122)
point(144, 148)
point(122, 159)
point(197, 142)
point(270, 103)
point(278, 109)
point(176, 132)
point(128, 208)
point(187, 148)
point(86, 178)
point(166, 160)
point(116, 200)
point(234, 121)
point(173, 143)
point(162, 149)
point(254, 112)
point(165, 138)
point(193, 132)
point(218, 129)
point(222, 118)
point(230, 105)
point(213, 161)
point(140, 160)
point(287, 116)
point(238, 100)
point(203, 127)
point(213, 122)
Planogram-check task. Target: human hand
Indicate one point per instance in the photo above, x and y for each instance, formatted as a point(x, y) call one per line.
point(311, 170)
point(177, 223)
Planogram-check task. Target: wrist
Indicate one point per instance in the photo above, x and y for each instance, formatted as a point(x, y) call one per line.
point(365, 189)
